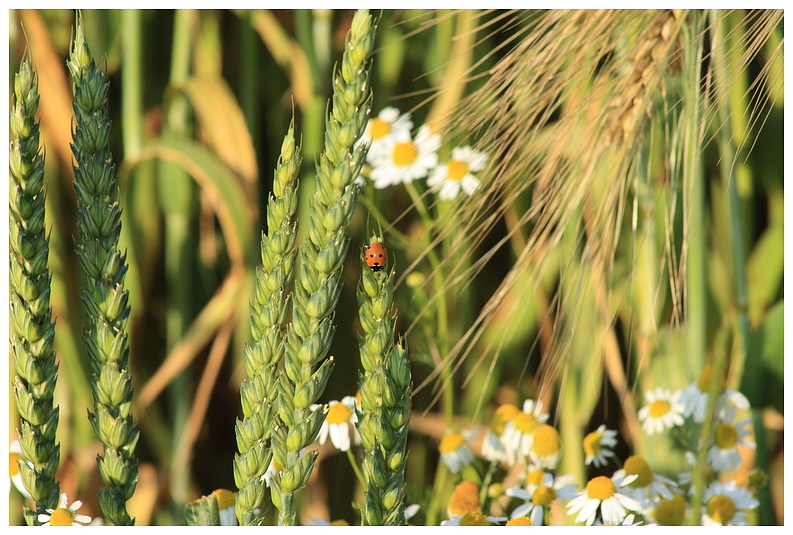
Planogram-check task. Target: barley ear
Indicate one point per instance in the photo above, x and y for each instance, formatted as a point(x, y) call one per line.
point(385, 387)
point(318, 282)
point(29, 296)
point(268, 316)
point(105, 299)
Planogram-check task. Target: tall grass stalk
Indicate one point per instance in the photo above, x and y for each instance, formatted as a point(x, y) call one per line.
point(318, 281)
point(31, 315)
point(268, 318)
point(105, 298)
point(385, 388)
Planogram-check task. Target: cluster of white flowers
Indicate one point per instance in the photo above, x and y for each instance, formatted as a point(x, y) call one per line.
point(396, 157)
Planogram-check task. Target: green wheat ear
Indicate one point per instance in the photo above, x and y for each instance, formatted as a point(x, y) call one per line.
point(31, 315)
point(318, 281)
point(385, 387)
point(105, 299)
point(268, 315)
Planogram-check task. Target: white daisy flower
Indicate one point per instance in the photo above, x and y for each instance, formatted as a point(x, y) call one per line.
point(341, 416)
point(602, 494)
point(597, 446)
point(519, 431)
point(630, 520)
point(14, 456)
point(227, 502)
point(474, 518)
point(726, 504)
point(493, 448)
point(411, 510)
point(454, 449)
point(724, 455)
point(664, 411)
point(695, 398)
point(645, 486)
point(457, 173)
point(538, 500)
point(379, 129)
point(63, 515)
point(546, 447)
point(407, 159)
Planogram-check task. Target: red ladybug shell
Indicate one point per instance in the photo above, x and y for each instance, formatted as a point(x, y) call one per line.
point(375, 256)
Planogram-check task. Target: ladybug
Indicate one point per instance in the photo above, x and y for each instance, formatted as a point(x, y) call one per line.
point(375, 256)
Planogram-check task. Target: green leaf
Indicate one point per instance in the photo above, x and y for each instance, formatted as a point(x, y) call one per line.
point(225, 191)
point(765, 349)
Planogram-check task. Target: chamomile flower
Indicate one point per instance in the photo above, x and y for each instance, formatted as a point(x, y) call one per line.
point(519, 521)
point(454, 449)
point(378, 130)
point(464, 499)
point(458, 173)
point(227, 502)
point(519, 431)
point(726, 504)
point(546, 447)
point(664, 411)
point(407, 159)
point(695, 397)
point(14, 456)
point(604, 495)
point(670, 512)
point(341, 416)
point(630, 520)
point(646, 487)
point(474, 518)
point(64, 515)
point(493, 448)
point(724, 455)
point(539, 500)
point(597, 446)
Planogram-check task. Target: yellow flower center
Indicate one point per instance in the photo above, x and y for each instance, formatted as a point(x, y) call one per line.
point(339, 413)
point(474, 519)
point(503, 415)
point(601, 488)
point(225, 498)
point(636, 465)
point(525, 423)
point(404, 153)
point(721, 509)
point(456, 170)
point(378, 128)
point(62, 517)
point(726, 436)
point(592, 443)
point(535, 477)
point(450, 442)
point(543, 496)
point(13, 464)
point(546, 441)
point(671, 512)
point(520, 521)
point(464, 499)
point(659, 408)
point(339, 523)
point(706, 378)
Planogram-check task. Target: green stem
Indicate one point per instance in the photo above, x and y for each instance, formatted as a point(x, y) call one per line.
point(355, 467)
point(442, 311)
point(441, 476)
